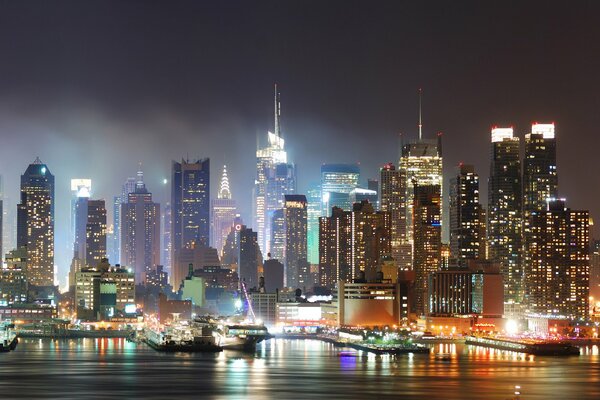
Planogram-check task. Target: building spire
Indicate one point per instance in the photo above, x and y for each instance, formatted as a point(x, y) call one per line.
point(277, 113)
point(224, 192)
point(420, 115)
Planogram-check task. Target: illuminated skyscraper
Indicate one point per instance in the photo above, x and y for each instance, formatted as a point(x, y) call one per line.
point(313, 214)
point(337, 181)
point(465, 216)
point(427, 228)
point(140, 231)
point(35, 226)
point(95, 247)
point(505, 211)
point(296, 265)
point(167, 246)
point(80, 188)
point(224, 211)
point(421, 164)
point(275, 177)
point(352, 243)
point(190, 205)
point(392, 200)
point(557, 276)
point(540, 180)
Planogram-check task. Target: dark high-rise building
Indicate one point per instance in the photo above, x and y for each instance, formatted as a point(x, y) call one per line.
point(190, 205)
point(352, 243)
point(273, 274)
point(505, 211)
point(557, 276)
point(427, 229)
point(373, 184)
point(392, 194)
point(35, 226)
point(95, 247)
point(249, 257)
point(296, 265)
point(465, 216)
point(140, 231)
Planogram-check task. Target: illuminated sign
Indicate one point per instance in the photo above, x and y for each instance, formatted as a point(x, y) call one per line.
point(130, 309)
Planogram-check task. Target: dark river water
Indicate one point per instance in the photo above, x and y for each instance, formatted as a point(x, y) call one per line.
point(287, 369)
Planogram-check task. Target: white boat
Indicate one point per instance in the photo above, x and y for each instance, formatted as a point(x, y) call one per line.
point(8, 336)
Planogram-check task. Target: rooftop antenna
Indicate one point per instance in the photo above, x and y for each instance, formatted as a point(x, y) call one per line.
point(420, 115)
point(277, 113)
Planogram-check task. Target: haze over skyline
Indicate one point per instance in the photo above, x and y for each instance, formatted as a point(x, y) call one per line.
point(95, 88)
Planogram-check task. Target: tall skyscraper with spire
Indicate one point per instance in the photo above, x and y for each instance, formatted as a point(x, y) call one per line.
point(223, 214)
point(421, 164)
point(35, 223)
point(140, 231)
point(275, 178)
point(190, 205)
point(505, 202)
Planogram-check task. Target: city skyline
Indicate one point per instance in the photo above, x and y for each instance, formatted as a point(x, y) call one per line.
point(80, 116)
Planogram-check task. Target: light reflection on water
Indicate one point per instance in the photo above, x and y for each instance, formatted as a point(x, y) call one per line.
point(115, 368)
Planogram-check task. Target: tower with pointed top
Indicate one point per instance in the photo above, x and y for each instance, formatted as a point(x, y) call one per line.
point(421, 165)
point(275, 178)
point(35, 223)
point(223, 212)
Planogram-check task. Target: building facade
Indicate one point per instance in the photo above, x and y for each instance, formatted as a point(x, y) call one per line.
point(392, 195)
point(505, 202)
point(296, 263)
point(557, 276)
point(353, 242)
point(465, 216)
point(35, 223)
point(427, 247)
point(190, 205)
point(140, 231)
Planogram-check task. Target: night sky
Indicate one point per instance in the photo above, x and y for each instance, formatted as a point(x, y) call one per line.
point(94, 88)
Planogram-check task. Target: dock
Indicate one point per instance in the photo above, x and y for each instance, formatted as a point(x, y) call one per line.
point(538, 348)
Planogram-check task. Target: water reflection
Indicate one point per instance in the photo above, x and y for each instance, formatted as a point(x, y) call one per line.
point(115, 368)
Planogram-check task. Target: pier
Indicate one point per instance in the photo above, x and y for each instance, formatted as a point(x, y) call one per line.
point(539, 348)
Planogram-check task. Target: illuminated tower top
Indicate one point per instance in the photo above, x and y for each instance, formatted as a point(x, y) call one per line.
point(224, 191)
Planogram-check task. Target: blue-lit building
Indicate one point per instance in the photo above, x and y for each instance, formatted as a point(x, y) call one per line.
point(190, 206)
point(337, 181)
